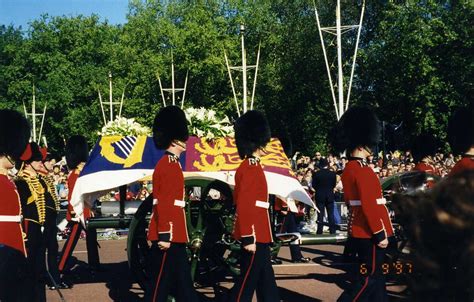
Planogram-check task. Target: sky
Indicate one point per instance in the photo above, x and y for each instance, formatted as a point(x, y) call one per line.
point(20, 12)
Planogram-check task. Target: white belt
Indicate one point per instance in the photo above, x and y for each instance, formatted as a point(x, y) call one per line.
point(355, 203)
point(262, 204)
point(10, 218)
point(180, 203)
point(358, 203)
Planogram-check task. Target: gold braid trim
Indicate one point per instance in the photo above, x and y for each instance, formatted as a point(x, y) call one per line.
point(37, 194)
point(48, 179)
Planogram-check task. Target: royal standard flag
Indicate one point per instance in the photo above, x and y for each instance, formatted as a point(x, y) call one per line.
point(117, 161)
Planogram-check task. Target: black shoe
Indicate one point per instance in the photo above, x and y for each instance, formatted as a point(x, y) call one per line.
point(97, 268)
point(64, 285)
point(302, 260)
point(276, 261)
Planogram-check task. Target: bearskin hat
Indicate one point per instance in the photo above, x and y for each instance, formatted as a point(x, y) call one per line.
point(461, 130)
point(358, 126)
point(251, 132)
point(170, 124)
point(423, 145)
point(77, 151)
point(14, 133)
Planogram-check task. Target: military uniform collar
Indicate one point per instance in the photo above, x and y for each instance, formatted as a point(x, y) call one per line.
point(172, 157)
point(254, 160)
point(361, 160)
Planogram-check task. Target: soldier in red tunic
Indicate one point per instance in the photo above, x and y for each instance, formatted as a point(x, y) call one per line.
point(461, 138)
point(77, 152)
point(252, 225)
point(168, 231)
point(369, 223)
point(423, 147)
point(14, 135)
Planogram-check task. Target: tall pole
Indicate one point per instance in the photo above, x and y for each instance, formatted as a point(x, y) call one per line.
point(172, 79)
point(244, 67)
point(338, 31)
point(340, 80)
point(33, 114)
point(110, 97)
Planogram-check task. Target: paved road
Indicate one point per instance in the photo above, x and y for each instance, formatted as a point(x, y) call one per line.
point(320, 280)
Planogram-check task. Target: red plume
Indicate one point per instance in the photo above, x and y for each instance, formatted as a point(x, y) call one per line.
point(27, 153)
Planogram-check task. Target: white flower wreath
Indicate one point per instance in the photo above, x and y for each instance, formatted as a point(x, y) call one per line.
point(124, 127)
point(208, 123)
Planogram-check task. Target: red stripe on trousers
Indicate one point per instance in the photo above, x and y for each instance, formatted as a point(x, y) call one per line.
point(367, 278)
point(159, 276)
point(246, 275)
point(64, 256)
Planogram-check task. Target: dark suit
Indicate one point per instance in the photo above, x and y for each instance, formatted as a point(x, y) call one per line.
point(324, 182)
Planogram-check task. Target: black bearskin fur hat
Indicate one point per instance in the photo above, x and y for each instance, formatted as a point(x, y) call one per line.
point(77, 151)
point(14, 133)
point(358, 126)
point(251, 132)
point(170, 124)
point(423, 145)
point(461, 130)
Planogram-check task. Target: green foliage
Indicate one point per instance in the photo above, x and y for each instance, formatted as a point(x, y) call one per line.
point(415, 63)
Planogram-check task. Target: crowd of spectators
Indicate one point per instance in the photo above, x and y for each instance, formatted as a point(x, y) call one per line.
point(393, 163)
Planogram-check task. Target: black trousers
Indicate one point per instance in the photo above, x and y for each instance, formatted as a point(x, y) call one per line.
point(171, 275)
point(91, 244)
point(256, 273)
point(369, 283)
point(329, 206)
point(13, 275)
point(50, 243)
point(35, 252)
point(289, 225)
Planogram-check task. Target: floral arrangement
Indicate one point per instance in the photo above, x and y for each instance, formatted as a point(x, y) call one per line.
point(208, 123)
point(124, 127)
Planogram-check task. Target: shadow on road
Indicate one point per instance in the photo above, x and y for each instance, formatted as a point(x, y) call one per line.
point(116, 276)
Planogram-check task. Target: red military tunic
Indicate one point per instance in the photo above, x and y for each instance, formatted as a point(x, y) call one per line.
point(427, 168)
point(168, 220)
point(466, 163)
point(71, 182)
point(252, 222)
point(424, 167)
point(11, 232)
point(362, 191)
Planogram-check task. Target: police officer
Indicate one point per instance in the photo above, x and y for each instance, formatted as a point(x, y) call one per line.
point(461, 138)
point(77, 152)
point(252, 225)
point(32, 196)
point(167, 230)
point(369, 225)
point(14, 135)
